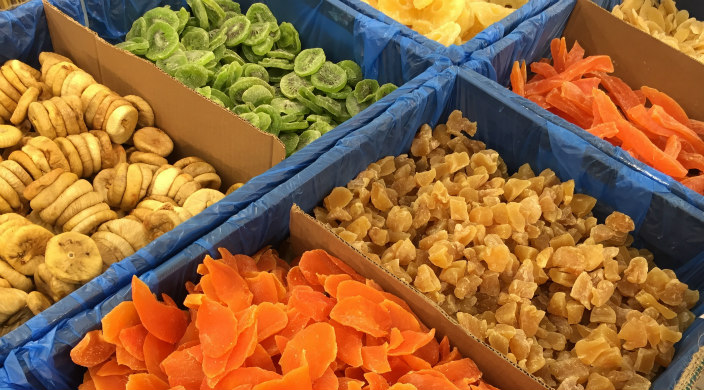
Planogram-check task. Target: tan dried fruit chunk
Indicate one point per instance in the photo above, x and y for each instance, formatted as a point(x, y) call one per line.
point(338, 198)
point(589, 350)
point(604, 314)
point(399, 219)
point(380, 197)
point(529, 319)
point(599, 382)
point(575, 311)
point(602, 292)
point(439, 254)
point(647, 300)
point(426, 280)
point(620, 222)
point(637, 271)
point(477, 327)
point(453, 272)
point(582, 290)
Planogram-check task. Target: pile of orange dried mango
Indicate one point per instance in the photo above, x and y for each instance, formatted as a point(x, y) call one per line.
point(648, 124)
point(256, 323)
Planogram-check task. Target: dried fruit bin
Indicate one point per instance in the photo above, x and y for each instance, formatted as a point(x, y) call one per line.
point(38, 39)
point(518, 134)
point(460, 53)
point(496, 60)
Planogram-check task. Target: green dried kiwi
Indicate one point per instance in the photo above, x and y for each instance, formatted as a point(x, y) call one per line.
point(353, 106)
point(231, 56)
point(216, 15)
point(384, 90)
point(306, 97)
point(198, 10)
point(281, 54)
point(136, 45)
point(236, 30)
point(219, 52)
point(229, 6)
point(226, 101)
point(278, 63)
point(217, 101)
point(192, 75)
point(164, 14)
point(257, 95)
point(139, 29)
point(173, 62)
point(192, 22)
point(290, 141)
point(249, 54)
point(330, 105)
point(342, 118)
point(365, 90)
point(288, 118)
point(250, 117)
point(258, 33)
point(265, 123)
point(254, 70)
point(275, 76)
point(309, 61)
point(287, 127)
point(242, 84)
point(217, 38)
point(183, 16)
point(200, 57)
point(289, 41)
point(329, 78)
point(205, 91)
point(290, 84)
point(275, 32)
point(163, 40)
point(242, 108)
point(225, 76)
point(321, 127)
point(195, 38)
point(306, 137)
point(354, 72)
point(259, 12)
point(264, 47)
point(341, 94)
point(288, 106)
point(318, 118)
point(273, 114)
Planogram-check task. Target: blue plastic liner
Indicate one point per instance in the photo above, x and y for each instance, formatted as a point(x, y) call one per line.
point(327, 14)
point(459, 54)
point(517, 133)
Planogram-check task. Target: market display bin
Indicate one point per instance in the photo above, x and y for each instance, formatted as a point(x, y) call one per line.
point(518, 134)
point(237, 154)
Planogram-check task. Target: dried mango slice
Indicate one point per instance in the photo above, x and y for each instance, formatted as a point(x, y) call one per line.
point(271, 318)
point(574, 55)
point(635, 140)
point(412, 341)
point(165, 322)
point(376, 358)
point(92, 350)
point(327, 381)
point(428, 379)
point(349, 344)
point(305, 346)
point(155, 351)
point(263, 287)
point(400, 317)
point(246, 344)
point(298, 378)
point(346, 383)
point(143, 381)
point(664, 119)
point(251, 376)
point(376, 381)
point(127, 359)
point(109, 382)
point(353, 288)
point(461, 372)
point(112, 367)
point(312, 304)
point(122, 316)
point(362, 314)
point(217, 327)
point(317, 262)
point(260, 358)
point(184, 367)
point(230, 287)
point(331, 283)
point(132, 339)
point(430, 352)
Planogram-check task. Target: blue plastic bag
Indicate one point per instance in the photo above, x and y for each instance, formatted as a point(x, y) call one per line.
point(519, 135)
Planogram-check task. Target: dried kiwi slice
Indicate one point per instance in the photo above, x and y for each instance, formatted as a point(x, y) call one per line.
point(341, 94)
point(291, 83)
point(288, 107)
point(293, 126)
point(195, 38)
point(276, 74)
point(136, 45)
point(250, 117)
point(259, 12)
point(277, 63)
point(257, 95)
point(329, 78)
point(173, 62)
point(264, 47)
point(321, 127)
point(265, 123)
point(193, 75)
point(183, 16)
point(242, 108)
point(258, 33)
point(220, 95)
point(318, 118)
point(139, 29)
point(219, 52)
point(353, 106)
point(306, 138)
point(384, 90)
point(236, 30)
point(330, 105)
point(273, 115)
point(164, 14)
point(281, 54)
point(244, 83)
point(308, 61)
point(365, 91)
point(254, 70)
point(199, 57)
point(307, 98)
point(231, 56)
point(163, 40)
point(205, 91)
point(217, 38)
point(216, 15)
point(249, 54)
point(229, 6)
point(354, 72)
point(227, 75)
point(290, 141)
point(198, 10)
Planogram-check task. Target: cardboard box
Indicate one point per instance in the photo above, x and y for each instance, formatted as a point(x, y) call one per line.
point(639, 59)
point(198, 127)
point(307, 233)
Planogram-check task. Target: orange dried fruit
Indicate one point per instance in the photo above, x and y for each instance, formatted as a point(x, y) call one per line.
point(305, 349)
point(243, 376)
point(132, 340)
point(376, 359)
point(184, 368)
point(331, 282)
point(271, 318)
point(328, 381)
point(144, 381)
point(122, 316)
point(428, 379)
point(349, 344)
point(461, 372)
point(165, 322)
point(412, 341)
point(110, 382)
point(362, 314)
point(155, 351)
point(352, 288)
point(112, 367)
point(127, 359)
point(260, 358)
point(400, 317)
point(312, 304)
point(92, 350)
point(217, 328)
point(376, 381)
point(263, 288)
point(299, 378)
point(230, 287)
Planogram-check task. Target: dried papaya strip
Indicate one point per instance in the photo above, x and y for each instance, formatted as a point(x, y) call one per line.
point(637, 141)
point(132, 339)
point(673, 147)
point(310, 340)
point(461, 372)
point(575, 54)
point(691, 160)
point(165, 322)
point(587, 84)
point(591, 64)
point(604, 130)
point(327, 381)
point(518, 84)
point(641, 118)
point(667, 103)
point(697, 127)
point(695, 183)
point(621, 93)
point(92, 350)
point(539, 100)
point(574, 94)
point(144, 381)
point(217, 328)
point(543, 69)
point(608, 112)
point(664, 119)
point(558, 49)
point(155, 351)
point(428, 379)
point(544, 86)
point(582, 119)
point(122, 316)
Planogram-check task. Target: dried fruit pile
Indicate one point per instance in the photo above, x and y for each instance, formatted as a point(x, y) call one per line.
point(662, 20)
point(647, 123)
point(253, 323)
point(7, 4)
point(45, 182)
point(519, 260)
point(447, 21)
point(255, 67)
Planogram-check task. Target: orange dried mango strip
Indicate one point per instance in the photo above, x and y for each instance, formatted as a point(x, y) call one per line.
point(125, 358)
point(299, 378)
point(543, 68)
point(691, 160)
point(581, 118)
point(604, 130)
point(110, 382)
point(260, 358)
point(695, 183)
point(661, 117)
point(587, 84)
point(263, 288)
point(246, 376)
point(122, 316)
point(331, 282)
point(518, 83)
point(184, 368)
point(460, 372)
point(328, 381)
point(217, 328)
point(622, 94)
point(165, 322)
point(575, 54)
point(305, 348)
point(430, 352)
point(673, 147)
point(574, 94)
point(635, 140)
point(132, 339)
point(376, 381)
point(231, 288)
point(362, 314)
point(400, 317)
point(608, 112)
point(349, 344)
point(155, 351)
point(641, 118)
point(376, 358)
point(271, 318)
point(428, 379)
point(667, 103)
point(92, 350)
point(312, 304)
point(412, 341)
point(144, 381)
point(112, 367)
point(352, 288)
point(558, 49)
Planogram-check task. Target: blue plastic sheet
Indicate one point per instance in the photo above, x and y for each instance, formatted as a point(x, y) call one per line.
point(459, 54)
point(517, 133)
point(336, 19)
